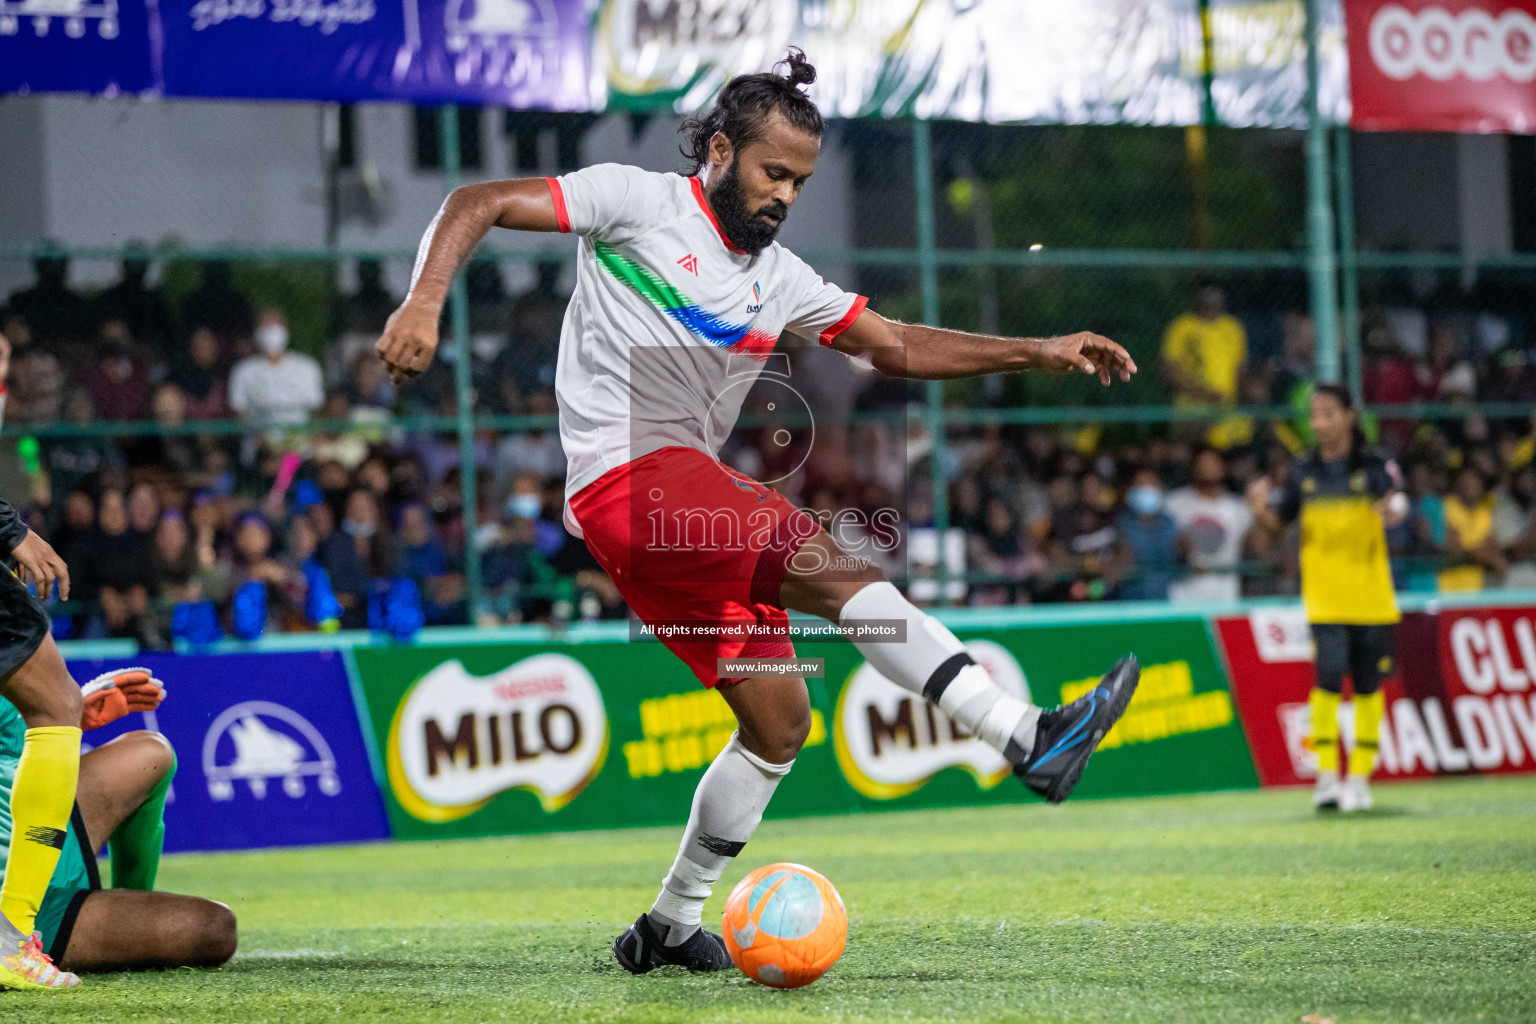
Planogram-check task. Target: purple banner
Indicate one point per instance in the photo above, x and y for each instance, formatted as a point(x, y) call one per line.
point(526, 54)
point(515, 53)
point(269, 750)
point(95, 46)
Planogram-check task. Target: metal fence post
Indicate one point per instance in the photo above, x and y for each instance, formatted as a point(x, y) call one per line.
point(1320, 262)
point(928, 278)
point(463, 381)
point(1349, 271)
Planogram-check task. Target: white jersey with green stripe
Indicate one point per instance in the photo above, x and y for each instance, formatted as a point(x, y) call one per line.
point(670, 323)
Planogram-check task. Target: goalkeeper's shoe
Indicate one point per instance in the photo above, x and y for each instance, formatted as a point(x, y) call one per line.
point(1067, 736)
point(640, 949)
point(114, 694)
point(1355, 794)
point(28, 967)
point(1326, 796)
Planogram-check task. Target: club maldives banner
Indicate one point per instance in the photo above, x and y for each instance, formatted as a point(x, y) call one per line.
point(498, 738)
point(1463, 699)
point(1091, 61)
point(269, 749)
point(1443, 65)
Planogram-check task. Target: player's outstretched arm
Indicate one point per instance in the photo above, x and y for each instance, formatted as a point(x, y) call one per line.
point(933, 353)
point(522, 204)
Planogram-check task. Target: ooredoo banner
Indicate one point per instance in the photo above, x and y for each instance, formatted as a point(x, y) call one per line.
point(1442, 65)
point(269, 749)
point(1463, 698)
point(495, 738)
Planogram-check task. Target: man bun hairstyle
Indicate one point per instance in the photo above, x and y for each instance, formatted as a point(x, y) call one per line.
point(741, 110)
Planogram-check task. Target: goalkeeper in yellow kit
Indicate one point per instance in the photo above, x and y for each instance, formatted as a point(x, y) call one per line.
point(1346, 497)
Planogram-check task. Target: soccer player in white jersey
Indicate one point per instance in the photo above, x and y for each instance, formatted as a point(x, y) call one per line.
point(681, 293)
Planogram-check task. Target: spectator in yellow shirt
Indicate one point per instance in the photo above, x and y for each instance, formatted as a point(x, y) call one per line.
point(1204, 353)
point(1469, 536)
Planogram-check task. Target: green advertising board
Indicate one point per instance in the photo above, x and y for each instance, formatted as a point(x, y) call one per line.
point(517, 737)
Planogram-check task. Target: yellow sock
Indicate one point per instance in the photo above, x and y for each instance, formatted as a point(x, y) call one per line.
point(1325, 730)
point(1368, 711)
point(42, 796)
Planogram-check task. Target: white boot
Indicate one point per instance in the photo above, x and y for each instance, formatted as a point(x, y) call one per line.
point(1326, 796)
point(1355, 794)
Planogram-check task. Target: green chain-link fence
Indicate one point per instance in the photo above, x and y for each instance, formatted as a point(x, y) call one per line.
point(1010, 230)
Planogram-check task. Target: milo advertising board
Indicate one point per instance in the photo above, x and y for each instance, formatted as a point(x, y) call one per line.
point(1180, 732)
point(516, 737)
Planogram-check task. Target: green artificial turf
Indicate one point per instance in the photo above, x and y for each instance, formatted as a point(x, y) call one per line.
point(1227, 907)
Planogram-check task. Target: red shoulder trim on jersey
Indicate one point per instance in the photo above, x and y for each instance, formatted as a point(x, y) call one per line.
point(562, 218)
point(859, 302)
point(698, 193)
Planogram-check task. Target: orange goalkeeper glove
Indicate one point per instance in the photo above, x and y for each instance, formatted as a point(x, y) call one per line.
point(114, 694)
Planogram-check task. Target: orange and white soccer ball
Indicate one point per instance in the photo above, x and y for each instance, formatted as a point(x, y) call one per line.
point(784, 925)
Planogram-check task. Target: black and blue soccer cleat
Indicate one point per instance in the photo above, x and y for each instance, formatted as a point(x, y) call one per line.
point(641, 948)
point(1067, 736)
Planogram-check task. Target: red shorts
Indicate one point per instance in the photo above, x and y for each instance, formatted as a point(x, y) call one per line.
point(688, 540)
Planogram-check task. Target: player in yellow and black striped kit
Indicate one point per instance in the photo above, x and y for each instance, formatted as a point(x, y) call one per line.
point(1346, 497)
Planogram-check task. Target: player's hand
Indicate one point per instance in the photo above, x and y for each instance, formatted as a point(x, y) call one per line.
point(114, 694)
point(1393, 509)
point(1086, 352)
point(39, 564)
point(5, 359)
point(408, 343)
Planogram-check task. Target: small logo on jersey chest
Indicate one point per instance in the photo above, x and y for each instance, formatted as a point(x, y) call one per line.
point(690, 263)
point(757, 298)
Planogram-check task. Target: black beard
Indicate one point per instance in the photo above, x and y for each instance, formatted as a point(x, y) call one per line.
point(747, 231)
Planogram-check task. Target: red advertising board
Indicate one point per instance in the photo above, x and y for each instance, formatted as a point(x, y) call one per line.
point(1463, 699)
point(1442, 65)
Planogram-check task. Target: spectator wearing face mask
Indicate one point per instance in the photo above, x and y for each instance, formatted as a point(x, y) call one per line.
point(1148, 540)
point(358, 552)
point(275, 386)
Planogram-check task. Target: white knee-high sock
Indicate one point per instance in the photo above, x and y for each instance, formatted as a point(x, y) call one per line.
point(933, 663)
point(727, 807)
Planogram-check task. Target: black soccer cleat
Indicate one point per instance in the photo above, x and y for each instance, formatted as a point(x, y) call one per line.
point(1067, 736)
point(640, 949)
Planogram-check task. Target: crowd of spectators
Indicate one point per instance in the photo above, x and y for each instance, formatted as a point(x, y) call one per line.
point(1073, 515)
point(227, 491)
